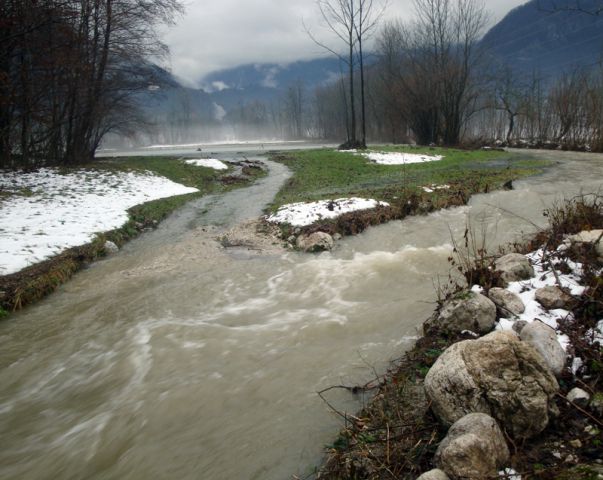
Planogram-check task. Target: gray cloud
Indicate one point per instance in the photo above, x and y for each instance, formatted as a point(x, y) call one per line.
point(217, 34)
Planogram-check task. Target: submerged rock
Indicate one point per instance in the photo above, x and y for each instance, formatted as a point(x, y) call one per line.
point(544, 340)
point(315, 242)
point(471, 311)
point(553, 297)
point(506, 302)
point(474, 448)
point(514, 267)
point(498, 375)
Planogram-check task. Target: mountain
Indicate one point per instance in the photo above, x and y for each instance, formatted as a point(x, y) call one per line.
point(535, 37)
point(266, 81)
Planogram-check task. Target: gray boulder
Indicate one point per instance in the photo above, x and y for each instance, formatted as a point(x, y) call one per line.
point(498, 375)
point(471, 311)
point(544, 340)
point(514, 267)
point(110, 247)
point(435, 474)
point(507, 303)
point(553, 297)
point(590, 237)
point(315, 242)
point(474, 448)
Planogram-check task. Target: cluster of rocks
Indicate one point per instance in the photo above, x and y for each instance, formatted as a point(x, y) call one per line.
point(503, 381)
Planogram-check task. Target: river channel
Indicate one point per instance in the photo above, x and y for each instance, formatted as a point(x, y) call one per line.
point(179, 359)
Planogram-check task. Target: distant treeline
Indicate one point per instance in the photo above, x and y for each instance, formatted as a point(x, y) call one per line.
point(69, 70)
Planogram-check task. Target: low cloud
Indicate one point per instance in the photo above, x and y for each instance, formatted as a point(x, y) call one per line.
point(218, 34)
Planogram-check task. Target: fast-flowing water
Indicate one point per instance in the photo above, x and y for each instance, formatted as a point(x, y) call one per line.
point(178, 359)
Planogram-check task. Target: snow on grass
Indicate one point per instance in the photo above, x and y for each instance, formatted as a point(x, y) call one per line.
point(400, 158)
point(47, 213)
point(209, 163)
point(433, 187)
point(302, 214)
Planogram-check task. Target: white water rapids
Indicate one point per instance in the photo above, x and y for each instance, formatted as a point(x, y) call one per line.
point(178, 359)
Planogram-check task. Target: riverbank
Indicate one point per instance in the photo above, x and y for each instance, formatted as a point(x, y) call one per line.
point(429, 179)
point(65, 199)
point(397, 435)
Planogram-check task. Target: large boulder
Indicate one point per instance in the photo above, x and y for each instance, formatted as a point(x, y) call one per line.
point(470, 311)
point(544, 340)
point(514, 267)
point(474, 448)
point(315, 242)
point(435, 474)
point(553, 297)
point(498, 375)
point(507, 303)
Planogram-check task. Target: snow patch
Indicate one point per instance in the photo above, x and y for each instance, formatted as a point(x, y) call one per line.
point(209, 163)
point(401, 158)
point(302, 214)
point(50, 212)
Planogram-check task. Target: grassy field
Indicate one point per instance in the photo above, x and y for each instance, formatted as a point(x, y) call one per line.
point(322, 174)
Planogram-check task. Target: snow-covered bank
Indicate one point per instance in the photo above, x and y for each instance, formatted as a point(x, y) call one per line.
point(47, 213)
point(303, 214)
point(209, 163)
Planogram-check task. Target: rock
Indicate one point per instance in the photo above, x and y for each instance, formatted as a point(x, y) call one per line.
point(576, 443)
point(110, 247)
point(579, 397)
point(472, 311)
point(474, 448)
point(435, 474)
point(506, 302)
point(519, 326)
point(514, 267)
point(498, 375)
point(337, 237)
point(291, 239)
point(591, 237)
point(315, 242)
point(544, 340)
point(553, 297)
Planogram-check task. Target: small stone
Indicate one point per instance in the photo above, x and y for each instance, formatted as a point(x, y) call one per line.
point(291, 239)
point(519, 326)
point(337, 237)
point(507, 303)
point(571, 459)
point(576, 443)
point(435, 474)
point(579, 397)
point(591, 430)
point(110, 247)
point(297, 231)
point(557, 455)
point(315, 242)
point(553, 297)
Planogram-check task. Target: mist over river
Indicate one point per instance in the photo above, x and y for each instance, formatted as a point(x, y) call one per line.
point(177, 358)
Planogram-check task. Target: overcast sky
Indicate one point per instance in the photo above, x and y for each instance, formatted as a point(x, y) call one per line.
point(217, 34)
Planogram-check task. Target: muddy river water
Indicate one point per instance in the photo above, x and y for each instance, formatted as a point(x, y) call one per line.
point(178, 359)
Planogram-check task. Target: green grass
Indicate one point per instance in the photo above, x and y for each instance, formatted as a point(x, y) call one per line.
point(324, 174)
